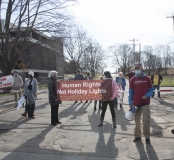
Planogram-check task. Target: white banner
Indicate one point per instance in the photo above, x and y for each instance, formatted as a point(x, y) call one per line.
point(120, 93)
point(6, 81)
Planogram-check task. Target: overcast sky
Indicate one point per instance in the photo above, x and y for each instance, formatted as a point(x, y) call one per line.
point(118, 21)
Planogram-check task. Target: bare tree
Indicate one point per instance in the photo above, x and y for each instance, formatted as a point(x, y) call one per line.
point(21, 18)
point(75, 44)
point(95, 57)
point(148, 58)
point(166, 57)
point(122, 56)
point(158, 59)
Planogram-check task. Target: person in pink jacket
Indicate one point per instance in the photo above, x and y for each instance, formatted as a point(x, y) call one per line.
point(107, 75)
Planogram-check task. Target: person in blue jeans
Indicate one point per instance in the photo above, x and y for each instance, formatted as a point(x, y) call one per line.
point(121, 81)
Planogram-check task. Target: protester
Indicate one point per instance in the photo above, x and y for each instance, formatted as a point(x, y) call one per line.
point(120, 80)
point(140, 91)
point(18, 82)
point(88, 77)
point(54, 102)
point(107, 75)
point(130, 74)
point(78, 76)
point(30, 91)
point(156, 80)
point(100, 101)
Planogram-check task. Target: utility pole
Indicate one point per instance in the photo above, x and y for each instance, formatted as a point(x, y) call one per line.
point(173, 20)
point(133, 40)
point(170, 62)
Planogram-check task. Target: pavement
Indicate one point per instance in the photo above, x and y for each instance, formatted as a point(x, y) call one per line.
point(79, 137)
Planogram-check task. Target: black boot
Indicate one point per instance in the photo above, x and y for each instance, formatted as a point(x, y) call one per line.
point(94, 108)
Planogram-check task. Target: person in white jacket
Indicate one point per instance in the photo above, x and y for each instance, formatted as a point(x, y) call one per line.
point(18, 82)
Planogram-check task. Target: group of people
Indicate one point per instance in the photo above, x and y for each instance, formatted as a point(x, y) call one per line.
point(141, 89)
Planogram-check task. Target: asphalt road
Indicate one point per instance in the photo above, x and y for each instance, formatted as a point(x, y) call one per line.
point(79, 137)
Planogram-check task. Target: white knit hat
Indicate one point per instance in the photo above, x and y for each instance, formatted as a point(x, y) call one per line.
point(31, 73)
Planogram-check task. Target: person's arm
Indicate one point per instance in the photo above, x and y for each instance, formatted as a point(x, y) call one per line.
point(124, 81)
point(51, 89)
point(161, 78)
point(35, 87)
point(150, 89)
point(152, 79)
point(131, 93)
point(21, 81)
point(116, 79)
point(114, 90)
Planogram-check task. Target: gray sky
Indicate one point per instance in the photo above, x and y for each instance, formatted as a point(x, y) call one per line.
point(118, 21)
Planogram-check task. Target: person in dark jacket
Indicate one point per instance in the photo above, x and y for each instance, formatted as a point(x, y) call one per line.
point(53, 98)
point(78, 76)
point(156, 80)
point(88, 77)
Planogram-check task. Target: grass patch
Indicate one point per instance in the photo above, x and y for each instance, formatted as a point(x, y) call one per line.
point(167, 82)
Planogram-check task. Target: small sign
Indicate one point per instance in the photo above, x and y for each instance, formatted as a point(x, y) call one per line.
point(6, 81)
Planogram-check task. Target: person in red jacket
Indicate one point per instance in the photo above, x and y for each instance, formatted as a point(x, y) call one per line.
point(140, 91)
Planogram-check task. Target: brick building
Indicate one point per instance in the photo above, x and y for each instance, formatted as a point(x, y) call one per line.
point(41, 55)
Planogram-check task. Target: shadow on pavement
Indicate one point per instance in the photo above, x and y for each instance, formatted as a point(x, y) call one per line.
point(121, 120)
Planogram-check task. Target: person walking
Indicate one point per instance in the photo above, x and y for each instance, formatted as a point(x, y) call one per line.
point(78, 76)
point(156, 80)
point(30, 91)
point(88, 77)
point(18, 82)
point(130, 74)
point(107, 75)
point(140, 91)
point(120, 80)
point(54, 102)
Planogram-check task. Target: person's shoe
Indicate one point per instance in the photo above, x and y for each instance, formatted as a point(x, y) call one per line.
point(33, 114)
point(23, 105)
point(24, 114)
point(81, 102)
point(159, 97)
point(152, 97)
point(172, 131)
point(101, 122)
point(121, 106)
point(85, 102)
point(54, 124)
point(147, 140)
point(75, 102)
point(59, 122)
point(94, 108)
point(114, 122)
point(15, 106)
point(115, 105)
point(137, 139)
